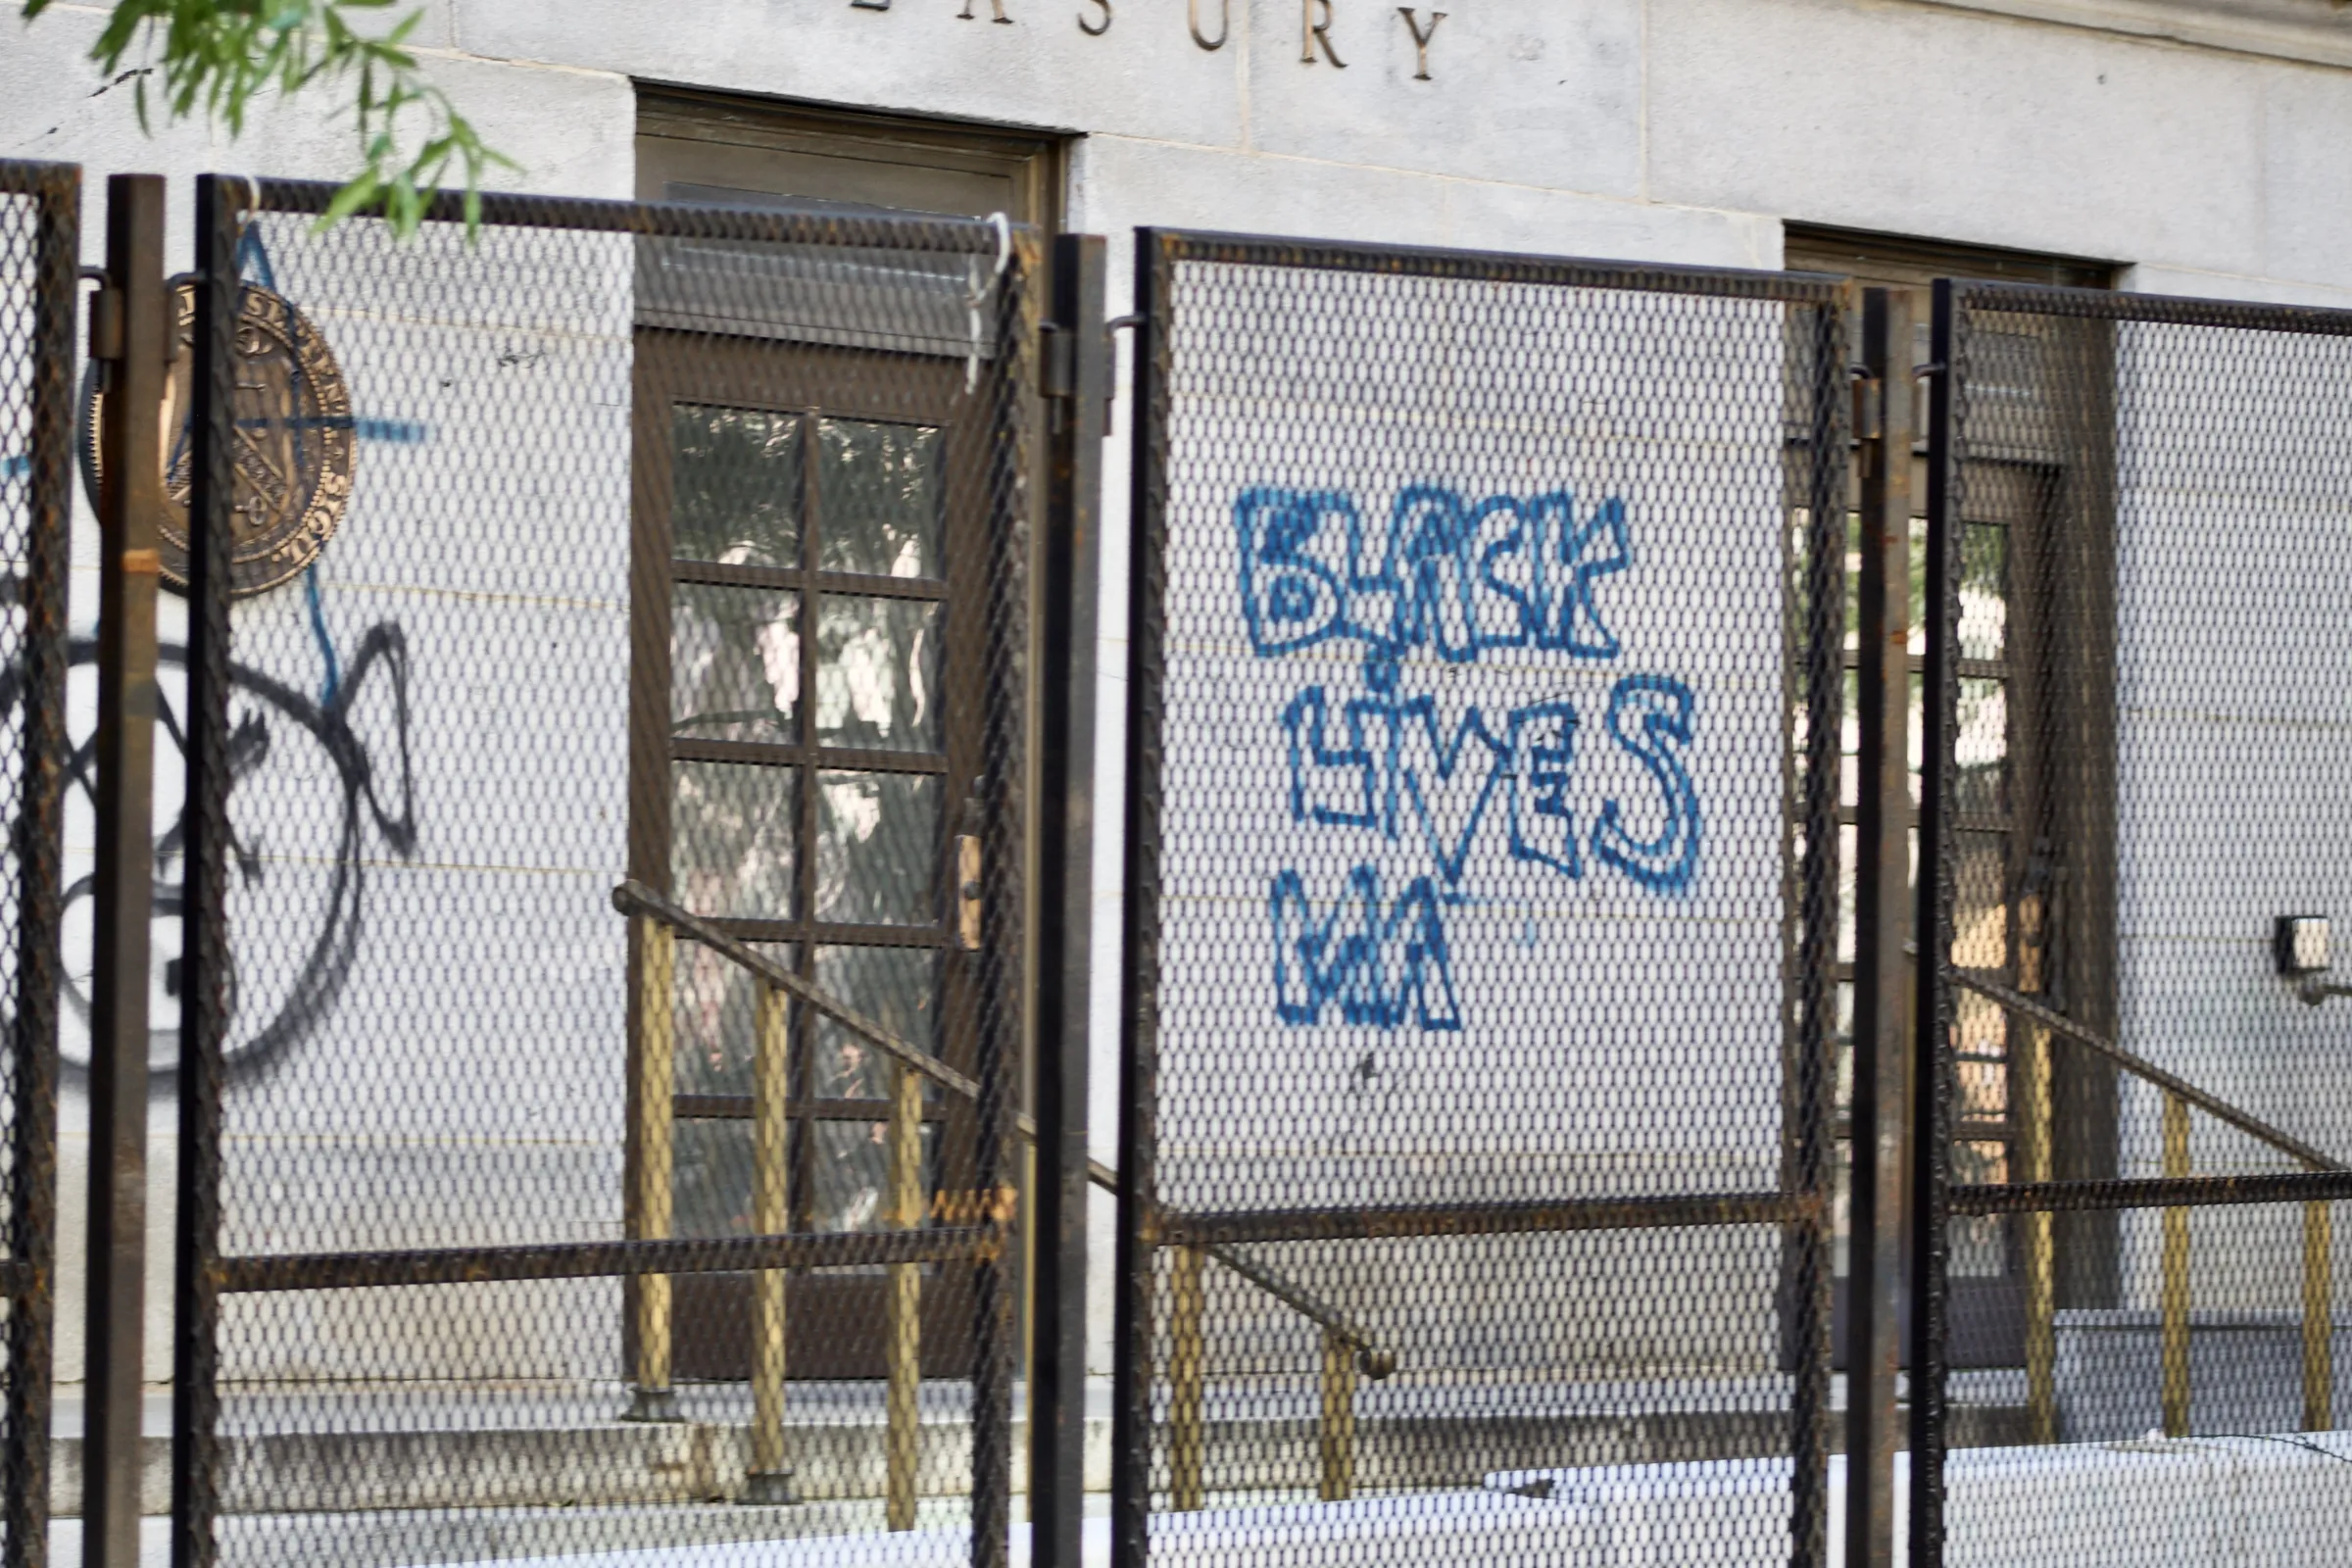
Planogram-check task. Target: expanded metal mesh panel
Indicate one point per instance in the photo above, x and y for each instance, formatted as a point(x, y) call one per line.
point(605, 1111)
point(1482, 890)
point(39, 215)
point(2142, 567)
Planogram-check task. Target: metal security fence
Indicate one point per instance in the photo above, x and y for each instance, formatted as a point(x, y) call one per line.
point(1480, 899)
point(2136, 819)
point(602, 879)
point(40, 207)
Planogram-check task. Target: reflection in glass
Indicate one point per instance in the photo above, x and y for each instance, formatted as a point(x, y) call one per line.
point(1980, 909)
point(1977, 1239)
point(712, 1184)
point(1984, 591)
point(877, 673)
point(881, 490)
point(851, 1170)
point(1981, 747)
point(731, 839)
point(895, 987)
point(735, 476)
point(877, 842)
point(713, 1020)
point(734, 662)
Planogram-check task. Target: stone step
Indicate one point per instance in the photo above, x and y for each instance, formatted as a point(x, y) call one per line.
point(619, 1464)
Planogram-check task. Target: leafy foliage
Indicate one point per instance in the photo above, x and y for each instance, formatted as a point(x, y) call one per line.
point(213, 58)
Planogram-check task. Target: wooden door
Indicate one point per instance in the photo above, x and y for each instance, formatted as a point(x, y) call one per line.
point(808, 599)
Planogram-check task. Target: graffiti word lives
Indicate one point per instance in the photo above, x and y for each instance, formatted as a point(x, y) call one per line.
point(1390, 765)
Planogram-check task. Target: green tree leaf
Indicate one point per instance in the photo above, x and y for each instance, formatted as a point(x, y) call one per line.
point(214, 58)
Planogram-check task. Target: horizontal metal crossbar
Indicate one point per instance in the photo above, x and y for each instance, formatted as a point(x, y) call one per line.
point(2213, 1106)
point(23, 176)
point(2101, 305)
point(1672, 1211)
point(723, 1254)
point(1496, 267)
point(662, 220)
point(2153, 1192)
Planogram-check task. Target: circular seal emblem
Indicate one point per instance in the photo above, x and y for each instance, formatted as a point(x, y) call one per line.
point(293, 446)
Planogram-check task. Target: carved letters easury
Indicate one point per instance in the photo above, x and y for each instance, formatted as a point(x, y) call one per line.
point(1412, 25)
point(1312, 33)
point(1224, 23)
point(1315, 22)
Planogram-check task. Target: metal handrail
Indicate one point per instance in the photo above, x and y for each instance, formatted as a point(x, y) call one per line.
point(2212, 1104)
point(635, 897)
point(2179, 1095)
point(1347, 1347)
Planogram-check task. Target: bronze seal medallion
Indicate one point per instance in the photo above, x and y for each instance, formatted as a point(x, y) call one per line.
point(293, 443)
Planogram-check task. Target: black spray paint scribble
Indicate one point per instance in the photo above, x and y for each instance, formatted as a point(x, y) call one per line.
point(270, 725)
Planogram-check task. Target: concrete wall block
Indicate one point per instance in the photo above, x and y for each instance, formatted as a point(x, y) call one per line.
point(2008, 134)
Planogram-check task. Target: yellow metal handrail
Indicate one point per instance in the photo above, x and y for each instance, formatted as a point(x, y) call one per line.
point(1347, 1348)
point(2173, 1294)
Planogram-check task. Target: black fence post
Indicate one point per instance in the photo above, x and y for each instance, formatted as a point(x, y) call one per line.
point(1930, 1098)
point(1822, 638)
point(38, 802)
point(1882, 920)
point(1138, 997)
point(204, 943)
point(1077, 368)
point(132, 337)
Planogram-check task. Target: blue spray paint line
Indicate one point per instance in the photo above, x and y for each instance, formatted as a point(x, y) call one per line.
point(253, 259)
point(332, 683)
point(399, 432)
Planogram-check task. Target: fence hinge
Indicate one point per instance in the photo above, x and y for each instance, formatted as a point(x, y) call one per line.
point(1056, 362)
point(968, 892)
point(1870, 406)
point(106, 324)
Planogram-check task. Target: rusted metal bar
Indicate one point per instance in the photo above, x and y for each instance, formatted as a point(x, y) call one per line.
point(1336, 1438)
point(1668, 1211)
point(768, 1480)
point(1881, 922)
point(131, 340)
point(1080, 361)
point(717, 1255)
point(903, 1302)
point(651, 1398)
point(2152, 1192)
point(2174, 1289)
point(1187, 1377)
point(2140, 1067)
point(2318, 1318)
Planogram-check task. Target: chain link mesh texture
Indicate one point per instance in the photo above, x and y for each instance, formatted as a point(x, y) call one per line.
point(1480, 897)
point(2139, 1125)
point(39, 242)
point(608, 845)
